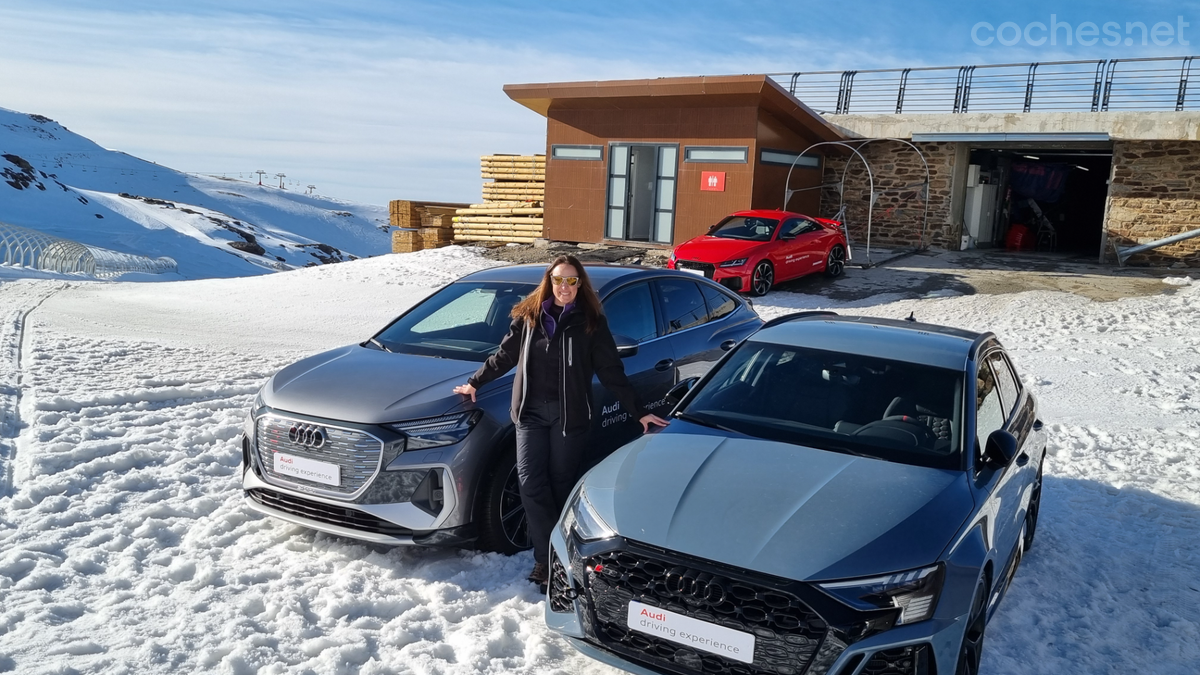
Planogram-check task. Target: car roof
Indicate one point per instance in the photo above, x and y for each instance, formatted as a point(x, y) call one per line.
point(769, 213)
point(603, 276)
point(908, 341)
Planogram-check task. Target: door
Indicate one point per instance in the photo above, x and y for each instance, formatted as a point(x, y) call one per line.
point(801, 248)
point(641, 192)
point(631, 314)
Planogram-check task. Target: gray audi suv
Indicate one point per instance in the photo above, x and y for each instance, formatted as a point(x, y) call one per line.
point(839, 495)
point(369, 441)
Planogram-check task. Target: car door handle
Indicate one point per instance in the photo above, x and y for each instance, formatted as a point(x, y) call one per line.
point(1022, 459)
point(728, 344)
point(664, 364)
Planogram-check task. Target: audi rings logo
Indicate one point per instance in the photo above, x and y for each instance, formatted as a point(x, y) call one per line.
point(308, 435)
point(701, 587)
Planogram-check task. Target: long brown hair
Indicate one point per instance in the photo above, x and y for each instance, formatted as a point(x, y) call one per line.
point(586, 300)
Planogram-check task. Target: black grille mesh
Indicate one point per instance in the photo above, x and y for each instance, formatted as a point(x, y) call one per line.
point(560, 597)
point(787, 632)
point(327, 513)
point(706, 268)
point(899, 661)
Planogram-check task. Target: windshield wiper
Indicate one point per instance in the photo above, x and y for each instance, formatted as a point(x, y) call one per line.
point(704, 422)
point(382, 346)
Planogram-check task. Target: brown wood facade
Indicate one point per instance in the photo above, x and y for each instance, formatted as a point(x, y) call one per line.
point(744, 111)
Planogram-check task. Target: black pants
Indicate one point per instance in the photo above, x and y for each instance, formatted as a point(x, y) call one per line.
point(547, 466)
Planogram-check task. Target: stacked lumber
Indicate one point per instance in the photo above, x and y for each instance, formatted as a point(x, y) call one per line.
point(421, 218)
point(512, 207)
point(406, 240)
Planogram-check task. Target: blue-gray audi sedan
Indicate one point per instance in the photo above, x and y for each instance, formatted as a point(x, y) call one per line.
point(839, 495)
point(369, 441)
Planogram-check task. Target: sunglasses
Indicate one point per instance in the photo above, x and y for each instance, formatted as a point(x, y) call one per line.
point(559, 281)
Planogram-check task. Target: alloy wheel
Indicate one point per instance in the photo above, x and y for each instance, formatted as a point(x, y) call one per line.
point(971, 653)
point(762, 279)
point(835, 264)
point(512, 513)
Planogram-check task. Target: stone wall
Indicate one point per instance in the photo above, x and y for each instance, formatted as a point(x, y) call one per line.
point(1155, 193)
point(899, 179)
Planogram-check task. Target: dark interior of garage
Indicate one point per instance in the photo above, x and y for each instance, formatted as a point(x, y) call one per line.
point(1047, 200)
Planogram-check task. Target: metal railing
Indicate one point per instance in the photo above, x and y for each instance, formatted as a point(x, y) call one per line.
point(1159, 83)
point(23, 247)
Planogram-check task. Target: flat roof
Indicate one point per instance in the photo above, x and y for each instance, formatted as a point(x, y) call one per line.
point(678, 92)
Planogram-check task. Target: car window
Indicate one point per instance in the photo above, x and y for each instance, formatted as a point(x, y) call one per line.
point(860, 405)
point(461, 321)
point(1005, 382)
point(989, 413)
point(719, 304)
point(743, 227)
point(797, 226)
point(630, 312)
point(682, 304)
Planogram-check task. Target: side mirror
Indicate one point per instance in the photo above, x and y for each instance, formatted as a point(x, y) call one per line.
point(626, 346)
point(1000, 449)
point(676, 393)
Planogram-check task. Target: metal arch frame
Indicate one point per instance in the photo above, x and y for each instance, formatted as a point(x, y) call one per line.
point(921, 245)
point(788, 192)
point(34, 249)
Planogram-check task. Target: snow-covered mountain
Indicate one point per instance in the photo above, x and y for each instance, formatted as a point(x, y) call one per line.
point(62, 184)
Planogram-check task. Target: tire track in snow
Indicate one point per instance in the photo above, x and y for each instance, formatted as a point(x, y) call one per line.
point(14, 336)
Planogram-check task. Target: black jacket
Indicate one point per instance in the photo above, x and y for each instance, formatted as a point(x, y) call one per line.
point(583, 355)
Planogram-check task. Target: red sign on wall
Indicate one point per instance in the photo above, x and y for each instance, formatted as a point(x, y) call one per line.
point(712, 181)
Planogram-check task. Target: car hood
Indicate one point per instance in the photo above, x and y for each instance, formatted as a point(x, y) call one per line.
point(782, 509)
point(368, 386)
point(715, 249)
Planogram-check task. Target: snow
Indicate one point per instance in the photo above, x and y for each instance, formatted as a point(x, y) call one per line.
point(63, 184)
point(124, 546)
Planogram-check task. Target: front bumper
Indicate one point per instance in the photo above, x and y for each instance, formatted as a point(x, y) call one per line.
point(925, 648)
point(736, 279)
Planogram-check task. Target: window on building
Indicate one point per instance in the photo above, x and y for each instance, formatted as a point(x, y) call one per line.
point(728, 154)
point(585, 152)
point(785, 158)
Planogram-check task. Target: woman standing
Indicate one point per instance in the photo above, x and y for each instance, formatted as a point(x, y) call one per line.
point(559, 339)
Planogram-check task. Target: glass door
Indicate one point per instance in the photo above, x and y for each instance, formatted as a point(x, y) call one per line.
point(641, 192)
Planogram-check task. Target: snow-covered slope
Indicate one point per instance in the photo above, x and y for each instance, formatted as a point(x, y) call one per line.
point(125, 547)
point(63, 184)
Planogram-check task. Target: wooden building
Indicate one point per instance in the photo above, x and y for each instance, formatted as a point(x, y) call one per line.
point(660, 161)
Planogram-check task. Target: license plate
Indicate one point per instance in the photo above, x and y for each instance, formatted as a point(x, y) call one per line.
point(308, 469)
point(694, 633)
point(690, 271)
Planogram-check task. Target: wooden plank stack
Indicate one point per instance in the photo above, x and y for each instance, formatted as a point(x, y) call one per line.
point(512, 207)
point(422, 224)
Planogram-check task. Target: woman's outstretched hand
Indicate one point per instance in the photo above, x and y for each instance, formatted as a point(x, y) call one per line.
point(468, 390)
point(648, 420)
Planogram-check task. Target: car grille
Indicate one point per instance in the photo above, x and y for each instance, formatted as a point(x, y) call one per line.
point(787, 632)
point(912, 660)
point(327, 513)
point(356, 453)
point(560, 590)
point(706, 268)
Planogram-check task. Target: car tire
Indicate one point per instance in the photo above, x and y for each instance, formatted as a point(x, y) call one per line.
point(762, 279)
point(971, 652)
point(1035, 505)
point(501, 514)
point(835, 263)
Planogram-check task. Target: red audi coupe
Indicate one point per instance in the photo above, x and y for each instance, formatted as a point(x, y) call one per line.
point(750, 251)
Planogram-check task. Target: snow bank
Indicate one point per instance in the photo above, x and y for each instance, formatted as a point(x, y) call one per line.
point(124, 547)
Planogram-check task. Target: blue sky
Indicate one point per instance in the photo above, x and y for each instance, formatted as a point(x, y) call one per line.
point(372, 101)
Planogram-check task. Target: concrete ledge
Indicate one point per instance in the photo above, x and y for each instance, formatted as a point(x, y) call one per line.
point(1126, 125)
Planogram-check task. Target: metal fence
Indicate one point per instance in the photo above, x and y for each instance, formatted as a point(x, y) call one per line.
point(21, 246)
point(1059, 86)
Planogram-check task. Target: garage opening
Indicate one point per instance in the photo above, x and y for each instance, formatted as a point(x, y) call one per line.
point(1049, 200)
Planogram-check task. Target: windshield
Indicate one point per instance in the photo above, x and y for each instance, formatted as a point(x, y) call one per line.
point(742, 227)
point(463, 321)
point(859, 405)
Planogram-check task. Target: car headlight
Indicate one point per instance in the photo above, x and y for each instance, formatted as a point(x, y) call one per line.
point(581, 517)
point(914, 593)
point(435, 432)
point(734, 263)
